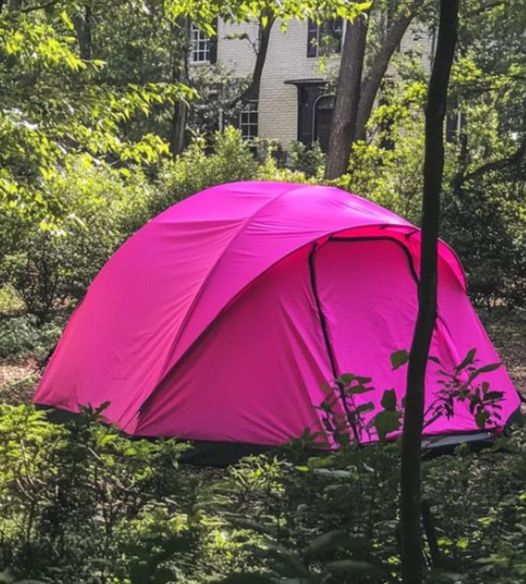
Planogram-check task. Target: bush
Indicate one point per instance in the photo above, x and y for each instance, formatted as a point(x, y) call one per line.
point(51, 265)
point(307, 159)
point(10, 303)
point(65, 492)
point(22, 334)
point(82, 503)
point(486, 226)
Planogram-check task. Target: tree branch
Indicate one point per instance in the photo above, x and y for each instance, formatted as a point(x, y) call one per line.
point(501, 164)
point(371, 84)
point(252, 91)
point(410, 481)
point(344, 118)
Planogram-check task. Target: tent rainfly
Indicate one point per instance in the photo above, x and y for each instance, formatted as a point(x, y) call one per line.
point(222, 319)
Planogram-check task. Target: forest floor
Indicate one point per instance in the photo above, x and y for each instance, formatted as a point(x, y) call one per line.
point(18, 376)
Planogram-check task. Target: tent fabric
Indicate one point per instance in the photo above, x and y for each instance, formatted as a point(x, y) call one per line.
point(223, 318)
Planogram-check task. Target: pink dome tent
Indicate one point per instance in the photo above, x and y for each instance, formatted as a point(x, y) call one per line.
point(223, 317)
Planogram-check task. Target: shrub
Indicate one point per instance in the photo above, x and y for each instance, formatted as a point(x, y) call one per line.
point(307, 159)
point(82, 503)
point(485, 223)
point(22, 334)
point(52, 264)
point(9, 301)
point(65, 490)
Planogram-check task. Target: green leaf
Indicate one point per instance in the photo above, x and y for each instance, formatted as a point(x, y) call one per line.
point(363, 380)
point(481, 418)
point(468, 359)
point(386, 422)
point(399, 358)
point(364, 408)
point(389, 400)
point(345, 378)
point(322, 461)
point(493, 395)
point(357, 389)
point(488, 368)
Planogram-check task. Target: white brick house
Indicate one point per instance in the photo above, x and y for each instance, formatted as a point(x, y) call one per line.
point(293, 101)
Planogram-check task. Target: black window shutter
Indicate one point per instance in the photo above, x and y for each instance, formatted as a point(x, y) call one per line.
point(213, 45)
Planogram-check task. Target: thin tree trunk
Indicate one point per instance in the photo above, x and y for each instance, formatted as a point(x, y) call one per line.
point(266, 22)
point(410, 496)
point(179, 75)
point(376, 73)
point(178, 127)
point(343, 126)
point(83, 28)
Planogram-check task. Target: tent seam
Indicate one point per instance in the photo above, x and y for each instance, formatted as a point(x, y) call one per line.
point(327, 235)
point(199, 293)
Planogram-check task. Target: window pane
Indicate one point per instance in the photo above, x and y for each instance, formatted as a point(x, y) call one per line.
point(312, 38)
point(248, 120)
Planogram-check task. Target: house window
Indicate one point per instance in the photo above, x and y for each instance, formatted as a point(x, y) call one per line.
point(248, 120)
point(325, 37)
point(203, 48)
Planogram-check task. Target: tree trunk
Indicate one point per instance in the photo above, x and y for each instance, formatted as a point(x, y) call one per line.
point(181, 47)
point(266, 22)
point(83, 28)
point(178, 127)
point(376, 73)
point(410, 528)
point(343, 126)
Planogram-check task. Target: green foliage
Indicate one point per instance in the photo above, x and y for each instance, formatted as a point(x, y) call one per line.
point(82, 503)
point(479, 520)
point(9, 301)
point(22, 334)
point(463, 386)
point(65, 491)
point(55, 104)
point(204, 11)
point(483, 217)
point(309, 160)
point(50, 267)
point(396, 143)
point(84, 162)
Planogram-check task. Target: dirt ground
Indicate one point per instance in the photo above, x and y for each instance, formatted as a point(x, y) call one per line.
point(508, 332)
point(18, 377)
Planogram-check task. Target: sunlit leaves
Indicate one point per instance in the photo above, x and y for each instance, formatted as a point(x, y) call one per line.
point(53, 106)
point(204, 11)
point(399, 358)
